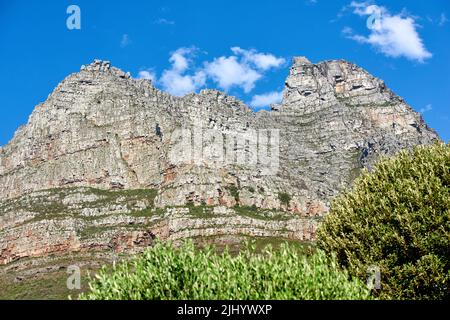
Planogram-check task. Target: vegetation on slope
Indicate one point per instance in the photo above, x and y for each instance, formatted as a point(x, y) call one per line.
point(397, 219)
point(46, 278)
point(166, 272)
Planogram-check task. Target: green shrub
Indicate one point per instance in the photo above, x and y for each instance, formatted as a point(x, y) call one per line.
point(234, 191)
point(284, 198)
point(165, 272)
point(398, 219)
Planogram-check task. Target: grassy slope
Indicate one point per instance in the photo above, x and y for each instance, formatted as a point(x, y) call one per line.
point(52, 284)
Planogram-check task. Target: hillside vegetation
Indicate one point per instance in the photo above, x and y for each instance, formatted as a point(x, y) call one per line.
point(397, 219)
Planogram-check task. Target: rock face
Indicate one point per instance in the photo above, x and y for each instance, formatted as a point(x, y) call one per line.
point(65, 220)
point(102, 129)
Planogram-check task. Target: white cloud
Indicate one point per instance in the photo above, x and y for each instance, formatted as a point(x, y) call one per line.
point(164, 21)
point(365, 8)
point(393, 35)
point(175, 81)
point(229, 72)
point(263, 61)
point(180, 85)
point(180, 59)
point(125, 41)
point(427, 108)
point(347, 31)
point(147, 74)
point(443, 19)
point(267, 99)
point(242, 69)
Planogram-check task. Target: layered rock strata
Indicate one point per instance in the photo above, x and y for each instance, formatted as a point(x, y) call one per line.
point(155, 160)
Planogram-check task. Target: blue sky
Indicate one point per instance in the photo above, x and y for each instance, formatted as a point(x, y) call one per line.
point(242, 47)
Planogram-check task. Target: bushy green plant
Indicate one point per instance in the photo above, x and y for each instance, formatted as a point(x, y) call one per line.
point(284, 198)
point(234, 192)
point(166, 272)
point(397, 218)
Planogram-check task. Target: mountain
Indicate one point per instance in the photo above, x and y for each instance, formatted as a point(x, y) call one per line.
point(108, 163)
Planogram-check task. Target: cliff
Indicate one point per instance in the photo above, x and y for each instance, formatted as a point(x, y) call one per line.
point(107, 163)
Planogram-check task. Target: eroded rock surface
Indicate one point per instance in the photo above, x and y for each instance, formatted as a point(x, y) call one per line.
point(102, 129)
point(60, 221)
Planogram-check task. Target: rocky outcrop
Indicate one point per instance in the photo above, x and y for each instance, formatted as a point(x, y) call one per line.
point(102, 128)
point(256, 174)
point(61, 221)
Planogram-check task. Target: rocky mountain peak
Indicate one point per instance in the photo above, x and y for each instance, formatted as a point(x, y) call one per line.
point(98, 129)
point(105, 66)
point(330, 82)
point(108, 162)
